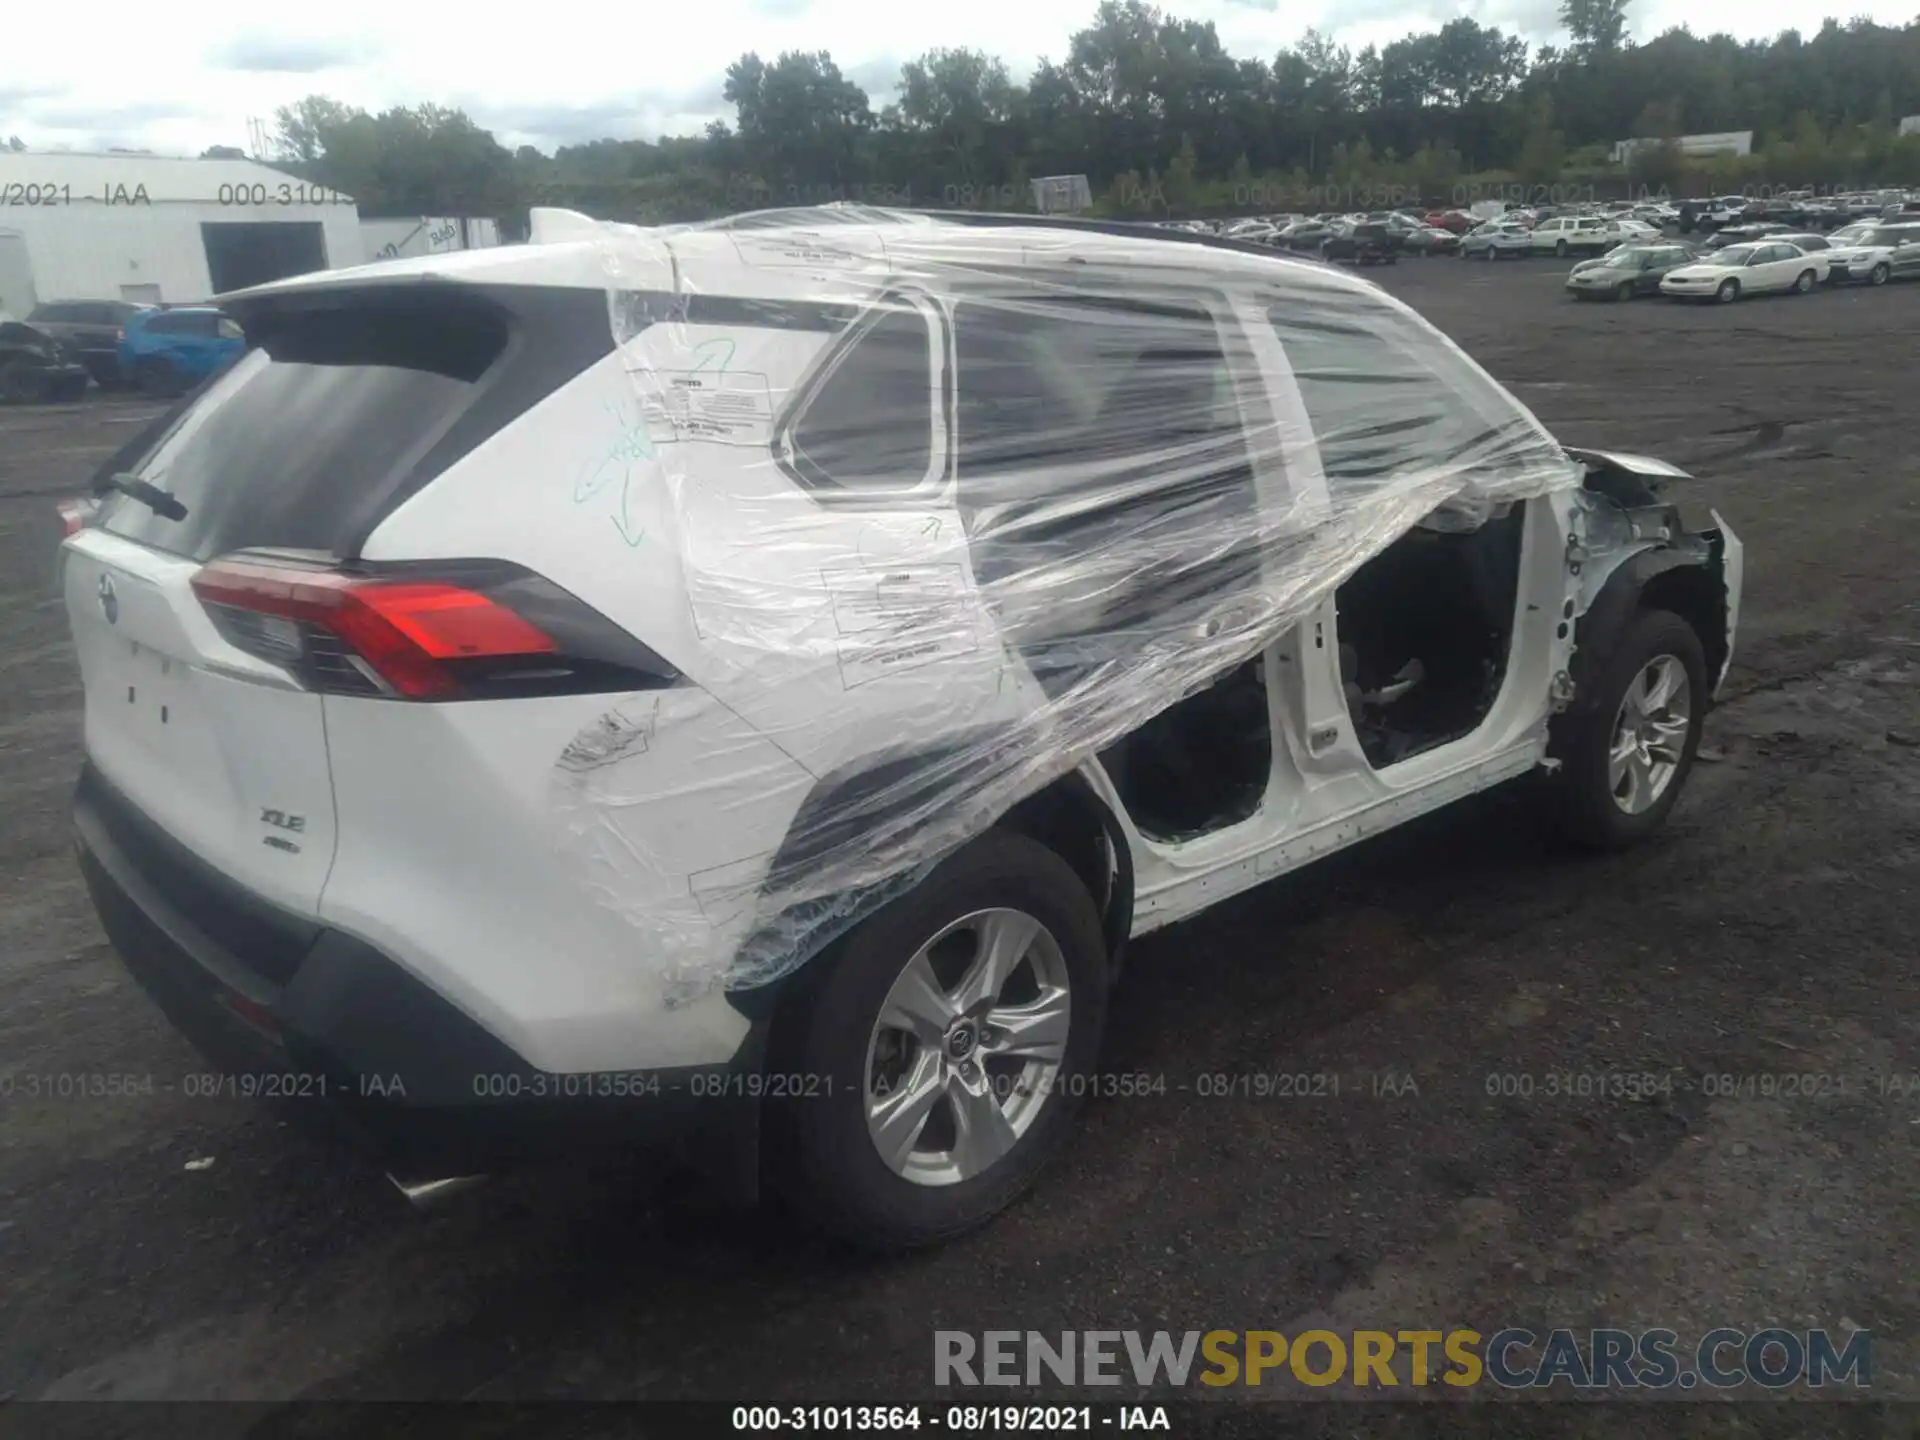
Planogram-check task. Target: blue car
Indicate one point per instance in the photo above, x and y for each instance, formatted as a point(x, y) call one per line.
point(168, 352)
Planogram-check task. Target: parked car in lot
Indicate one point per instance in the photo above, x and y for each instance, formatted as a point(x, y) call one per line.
point(1876, 255)
point(94, 328)
point(1363, 244)
point(1427, 240)
point(168, 352)
point(1303, 236)
point(1456, 222)
point(1743, 233)
point(1496, 240)
point(1631, 230)
point(37, 367)
point(1725, 210)
point(1737, 271)
point(1816, 248)
point(402, 777)
point(1626, 271)
point(1574, 235)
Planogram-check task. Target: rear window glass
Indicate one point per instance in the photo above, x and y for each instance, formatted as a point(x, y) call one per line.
point(326, 414)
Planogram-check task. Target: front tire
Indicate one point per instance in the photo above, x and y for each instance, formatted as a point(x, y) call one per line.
point(954, 1032)
point(1805, 283)
point(1626, 756)
point(1624, 290)
point(20, 384)
point(1880, 274)
point(1728, 292)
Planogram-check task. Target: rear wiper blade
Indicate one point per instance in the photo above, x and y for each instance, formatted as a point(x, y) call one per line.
point(149, 495)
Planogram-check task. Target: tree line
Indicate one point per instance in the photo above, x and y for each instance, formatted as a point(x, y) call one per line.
point(1160, 117)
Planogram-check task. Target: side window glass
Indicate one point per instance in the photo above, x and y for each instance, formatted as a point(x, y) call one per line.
point(1386, 397)
point(1073, 380)
point(869, 424)
point(1093, 425)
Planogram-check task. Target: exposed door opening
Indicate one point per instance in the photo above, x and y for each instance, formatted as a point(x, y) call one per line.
point(1425, 629)
point(1202, 765)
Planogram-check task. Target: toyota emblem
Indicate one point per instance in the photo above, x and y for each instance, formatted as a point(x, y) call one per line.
point(109, 601)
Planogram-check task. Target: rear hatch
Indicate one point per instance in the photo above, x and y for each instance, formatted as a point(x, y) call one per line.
point(299, 448)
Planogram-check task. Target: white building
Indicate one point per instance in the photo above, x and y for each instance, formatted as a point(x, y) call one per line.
point(425, 235)
point(1062, 194)
point(1694, 147)
point(156, 228)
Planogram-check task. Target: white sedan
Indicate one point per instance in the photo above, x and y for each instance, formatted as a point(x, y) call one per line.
point(1817, 248)
point(1739, 270)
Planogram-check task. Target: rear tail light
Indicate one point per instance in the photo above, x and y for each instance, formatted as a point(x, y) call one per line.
point(457, 630)
point(77, 514)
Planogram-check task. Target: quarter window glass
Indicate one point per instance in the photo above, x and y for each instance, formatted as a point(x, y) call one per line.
point(869, 425)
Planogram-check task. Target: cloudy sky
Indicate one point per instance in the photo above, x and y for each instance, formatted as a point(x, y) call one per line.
point(638, 69)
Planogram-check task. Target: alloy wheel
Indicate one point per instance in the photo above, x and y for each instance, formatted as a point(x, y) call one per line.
point(968, 1046)
point(1649, 734)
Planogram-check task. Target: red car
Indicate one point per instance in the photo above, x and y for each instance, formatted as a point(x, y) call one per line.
point(1456, 221)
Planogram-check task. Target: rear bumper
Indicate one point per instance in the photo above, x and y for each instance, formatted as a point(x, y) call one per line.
point(341, 1040)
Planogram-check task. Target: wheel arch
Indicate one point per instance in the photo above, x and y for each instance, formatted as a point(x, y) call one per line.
point(1657, 579)
point(1067, 815)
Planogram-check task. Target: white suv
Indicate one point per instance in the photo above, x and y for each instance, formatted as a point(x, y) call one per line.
point(743, 686)
point(1576, 235)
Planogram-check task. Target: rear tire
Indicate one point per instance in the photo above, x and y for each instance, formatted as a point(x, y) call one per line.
point(1587, 806)
point(1560, 249)
point(822, 1153)
point(1805, 283)
point(157, 379)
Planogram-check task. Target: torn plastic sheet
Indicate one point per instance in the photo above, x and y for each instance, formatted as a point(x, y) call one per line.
point(955, 507)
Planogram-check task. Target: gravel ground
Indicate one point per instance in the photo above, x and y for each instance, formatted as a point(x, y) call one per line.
point(1769, 931)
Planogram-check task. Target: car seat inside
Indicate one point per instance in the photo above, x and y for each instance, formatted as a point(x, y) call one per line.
point(1425, 628)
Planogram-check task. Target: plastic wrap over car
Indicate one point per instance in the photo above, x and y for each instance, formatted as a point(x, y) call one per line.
point(956, 506)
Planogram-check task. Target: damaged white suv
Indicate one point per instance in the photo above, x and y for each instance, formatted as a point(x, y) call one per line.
point(742, 686)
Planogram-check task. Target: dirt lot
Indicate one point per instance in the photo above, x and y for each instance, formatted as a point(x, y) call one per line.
point(1770, 931)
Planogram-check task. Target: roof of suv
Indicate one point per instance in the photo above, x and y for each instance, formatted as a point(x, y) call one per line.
point(777, 252)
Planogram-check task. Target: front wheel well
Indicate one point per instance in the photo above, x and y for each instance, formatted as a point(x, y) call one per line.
point(1693, 592)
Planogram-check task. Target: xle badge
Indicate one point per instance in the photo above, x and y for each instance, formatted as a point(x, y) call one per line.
point(280, 820)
